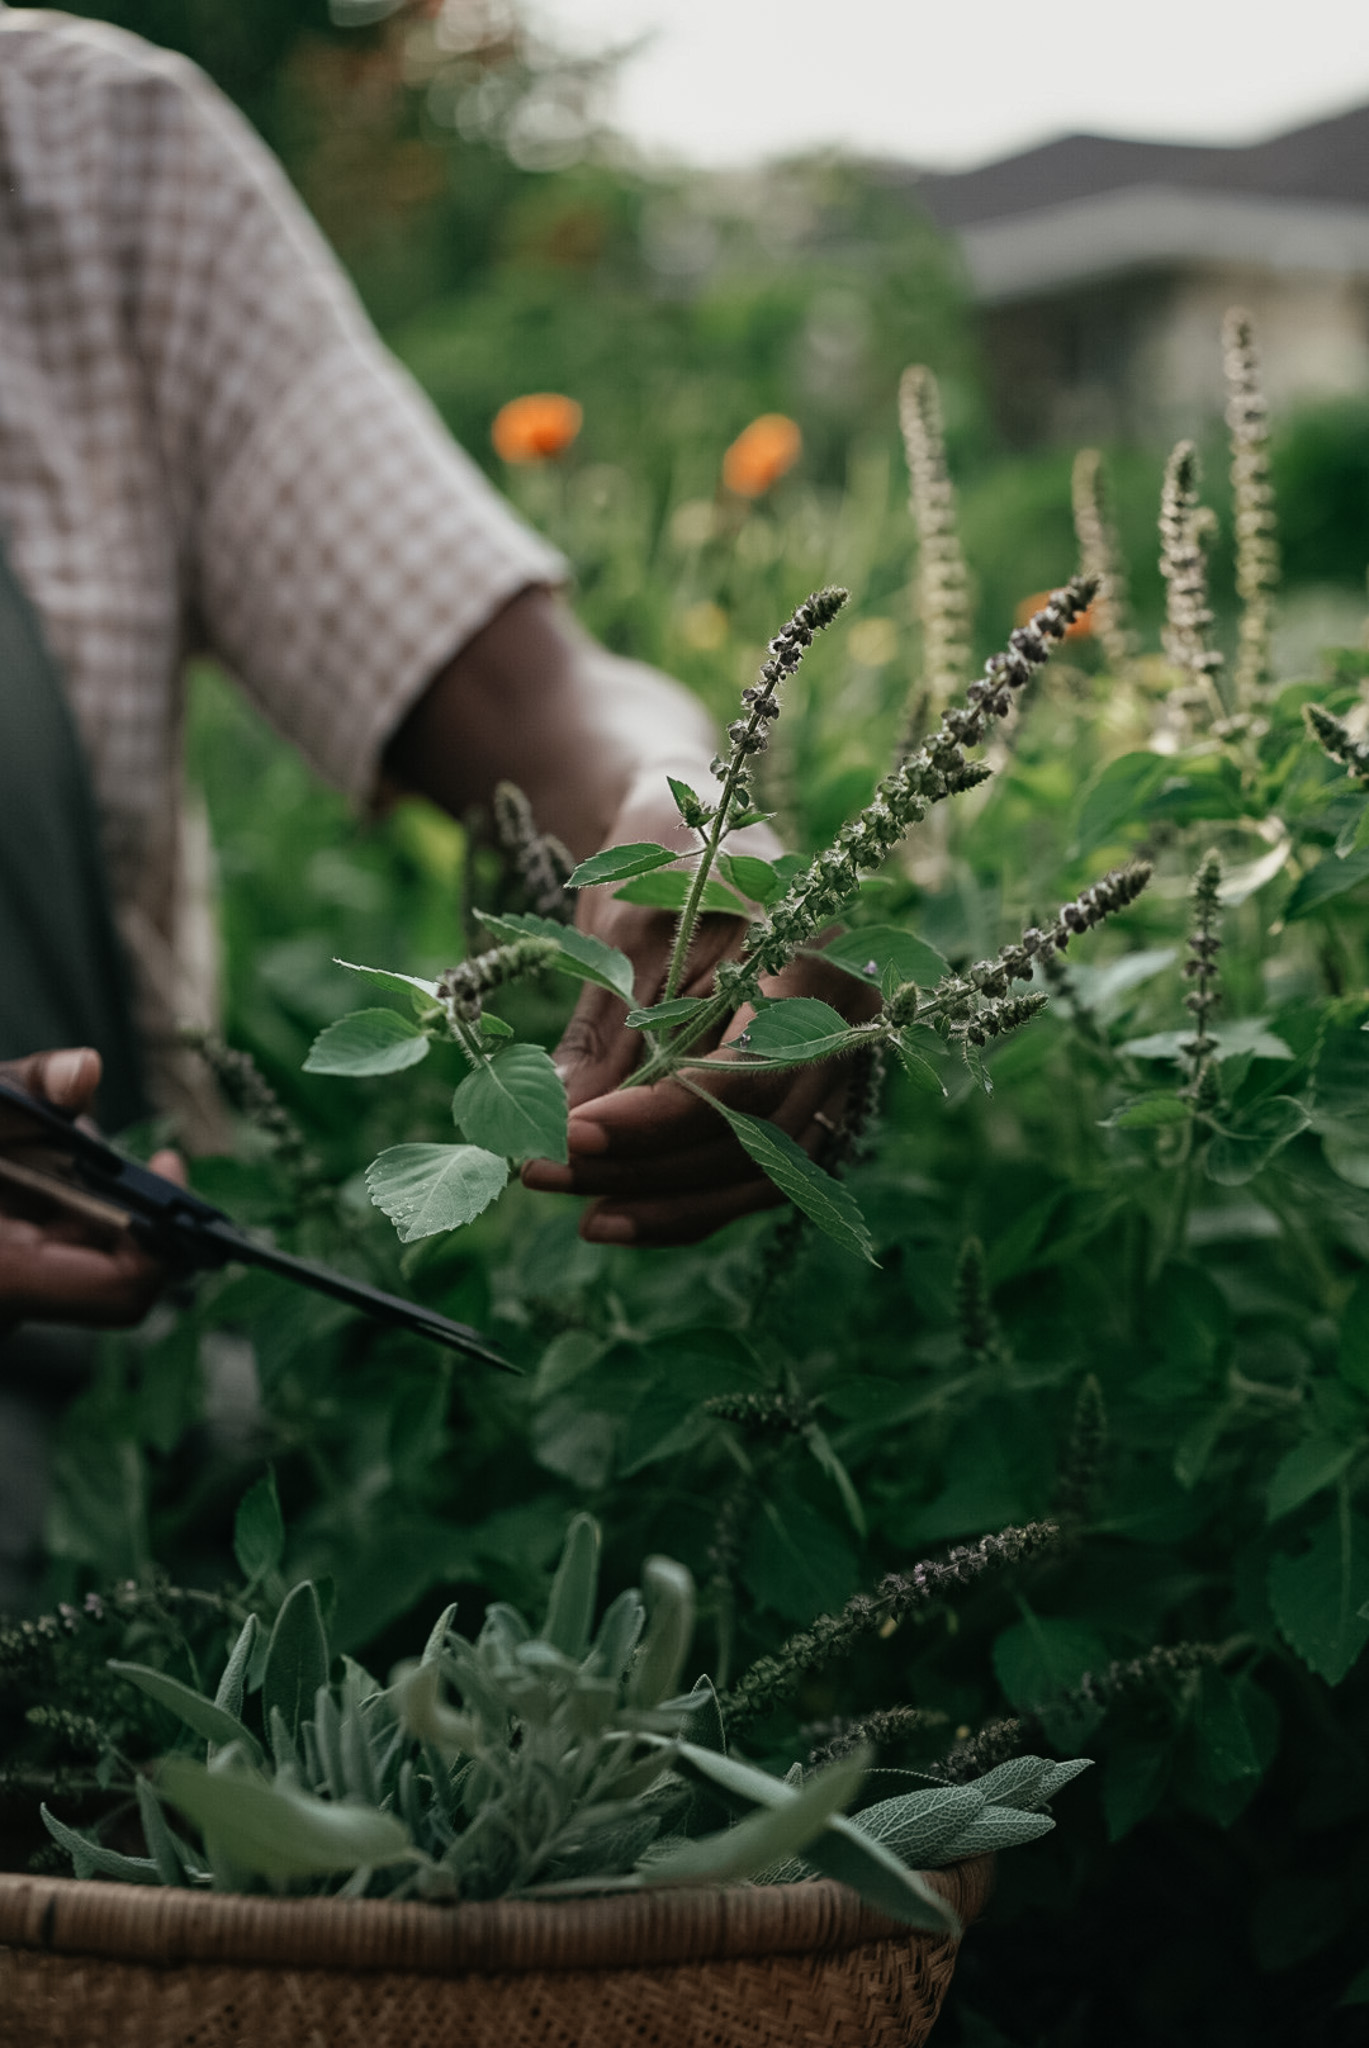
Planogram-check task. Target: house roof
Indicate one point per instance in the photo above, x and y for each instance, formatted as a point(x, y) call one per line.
point(1091, 206)
point(1327, 160)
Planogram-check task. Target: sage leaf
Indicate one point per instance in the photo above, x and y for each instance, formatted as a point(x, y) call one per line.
point(234, 1681)
point(215, 1724)
point(822, 1199)
point(582, 957)
point(92, 1859)
point(772, 1834)
point(259, 1530)
point(843, 1852)
point(515, 1103)
point(1317, 1596)
point(618, 863)
point(916, 1825)
point(274, 1831)
point(296, 1658)
point(998, 1827)
point(669, 1591)
point(165, 1852)
point(368, 1042)
point(570, 1610)
point(427, 1188)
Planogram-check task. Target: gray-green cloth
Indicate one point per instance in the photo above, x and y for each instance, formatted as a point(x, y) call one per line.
point(63, 981)
point(63, 977)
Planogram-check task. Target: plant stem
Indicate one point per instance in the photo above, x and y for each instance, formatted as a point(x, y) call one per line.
point(689, 916)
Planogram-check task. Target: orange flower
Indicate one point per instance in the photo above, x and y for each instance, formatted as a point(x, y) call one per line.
point(1082, 629)
point(537, 427)
point(761, 454)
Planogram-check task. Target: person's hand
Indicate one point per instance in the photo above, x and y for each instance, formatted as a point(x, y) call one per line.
point(56, 1267)
point(663, 1167)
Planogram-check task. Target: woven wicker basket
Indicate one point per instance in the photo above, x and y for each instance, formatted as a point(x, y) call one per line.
point(93, 1965)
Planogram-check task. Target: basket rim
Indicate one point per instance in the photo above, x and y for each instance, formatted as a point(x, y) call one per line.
point(152, 1924)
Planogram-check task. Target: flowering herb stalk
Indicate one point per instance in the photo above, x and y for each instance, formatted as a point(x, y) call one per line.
point(748, 737)
point(1184, 525)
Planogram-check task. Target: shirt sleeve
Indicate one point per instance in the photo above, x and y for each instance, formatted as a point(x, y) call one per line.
point(341, 546)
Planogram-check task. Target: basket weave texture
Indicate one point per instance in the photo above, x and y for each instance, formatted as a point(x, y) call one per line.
point(95, 1965)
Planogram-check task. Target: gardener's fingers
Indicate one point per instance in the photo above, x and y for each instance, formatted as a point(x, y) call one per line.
point(677, 1219)
point(597, 1051)
point(67, 1079)
point(50, 1275)
point(681, 1199)
point(668, 1156)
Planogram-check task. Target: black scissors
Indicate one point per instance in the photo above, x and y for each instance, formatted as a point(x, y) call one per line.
point(91, 1179)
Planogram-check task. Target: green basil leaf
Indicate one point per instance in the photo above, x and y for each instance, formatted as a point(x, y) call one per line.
point(1149, 1112)
point(822, 1199)
point(1118, 794)
point(1352, 1354)
point(873, 950)
point(385, 977)
point(259, 1530)
point(515, 1103)
point(1246, 1034)
point(582, 957)
point(758, 880)
point(618, 863)
point(1237, 1154)
point(670, 889)
point(1319, 1596)
point(1328, 879)
point(1315, 1463)
point(660, 1016)
point(368, 1042)
point(427, 1188)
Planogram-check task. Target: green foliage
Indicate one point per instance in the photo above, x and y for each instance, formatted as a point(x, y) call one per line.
point(571, 1765)
point(1223, 1313)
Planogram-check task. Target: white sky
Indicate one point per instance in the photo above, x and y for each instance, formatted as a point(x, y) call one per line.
point(955, 82)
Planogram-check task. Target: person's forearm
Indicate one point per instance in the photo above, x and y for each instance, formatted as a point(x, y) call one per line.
point(532, 699)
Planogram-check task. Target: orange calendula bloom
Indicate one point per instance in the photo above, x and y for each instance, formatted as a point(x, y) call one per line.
point(1082, 628)
point(537, 427)
point(761, 454)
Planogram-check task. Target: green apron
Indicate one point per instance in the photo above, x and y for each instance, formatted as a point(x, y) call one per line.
point(63, 977)
point(63, 981)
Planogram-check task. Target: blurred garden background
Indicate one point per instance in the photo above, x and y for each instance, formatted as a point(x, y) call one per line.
point(1181, 1378)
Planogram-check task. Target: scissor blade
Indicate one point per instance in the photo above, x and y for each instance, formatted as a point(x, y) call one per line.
point(236, 1245)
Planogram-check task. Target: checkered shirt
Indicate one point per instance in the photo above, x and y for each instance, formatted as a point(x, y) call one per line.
point(204, 446)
